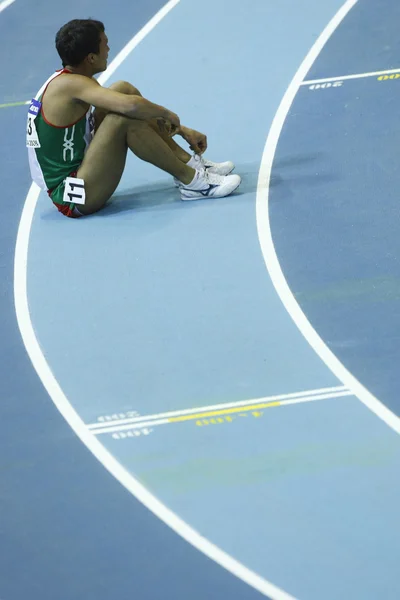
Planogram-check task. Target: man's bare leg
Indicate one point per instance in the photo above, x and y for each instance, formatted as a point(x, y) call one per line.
point(125, 87)
point(104, 161)
point(176, 149)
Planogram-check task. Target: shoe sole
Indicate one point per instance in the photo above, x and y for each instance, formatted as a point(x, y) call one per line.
point(225, 174)
point(201, 197)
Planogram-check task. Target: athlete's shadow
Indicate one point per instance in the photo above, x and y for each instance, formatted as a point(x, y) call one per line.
point(308, 170)
point(164, 196)
point(296, 160)
point(298, 172)
point(160, 196)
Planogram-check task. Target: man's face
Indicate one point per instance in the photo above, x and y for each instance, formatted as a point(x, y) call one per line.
point(100, 60)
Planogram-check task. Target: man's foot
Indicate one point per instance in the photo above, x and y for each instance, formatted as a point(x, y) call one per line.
point(209, 185)
point(199, 162)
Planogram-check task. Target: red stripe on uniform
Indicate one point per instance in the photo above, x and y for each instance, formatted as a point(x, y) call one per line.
point(42, 111)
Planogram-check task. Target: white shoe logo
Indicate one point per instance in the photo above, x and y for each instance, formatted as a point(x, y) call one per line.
point(68, 144)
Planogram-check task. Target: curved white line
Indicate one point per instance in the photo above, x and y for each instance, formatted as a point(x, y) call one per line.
point(5, 4)
point(267, 244)
point(71, 416)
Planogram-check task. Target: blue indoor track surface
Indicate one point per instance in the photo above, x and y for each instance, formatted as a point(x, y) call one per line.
point(200, 399)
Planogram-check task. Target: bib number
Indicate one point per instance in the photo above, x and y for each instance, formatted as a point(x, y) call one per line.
point(32, 138)
point(74, 190)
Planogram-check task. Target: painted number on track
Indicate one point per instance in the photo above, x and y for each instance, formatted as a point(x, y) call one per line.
point(256, 414)
point(117, 416)
point(386, 77)
point(132, 433)
point(325, 86)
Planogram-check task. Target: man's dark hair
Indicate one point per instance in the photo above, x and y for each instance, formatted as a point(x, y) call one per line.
point(78, 38)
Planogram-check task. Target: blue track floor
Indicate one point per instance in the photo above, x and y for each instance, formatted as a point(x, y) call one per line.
point(155, 306)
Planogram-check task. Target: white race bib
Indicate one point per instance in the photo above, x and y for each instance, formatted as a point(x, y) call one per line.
point(32, 139)
point(74, 190)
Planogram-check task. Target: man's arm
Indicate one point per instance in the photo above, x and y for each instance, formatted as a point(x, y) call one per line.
point(196, 140)
point(136, 107)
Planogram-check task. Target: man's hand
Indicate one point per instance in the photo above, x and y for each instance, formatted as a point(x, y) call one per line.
point(196, 140)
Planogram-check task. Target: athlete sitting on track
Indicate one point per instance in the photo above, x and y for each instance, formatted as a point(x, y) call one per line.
point(61, 125)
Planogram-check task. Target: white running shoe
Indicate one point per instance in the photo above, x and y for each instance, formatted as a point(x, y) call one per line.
point(209, 185)
point(199, 162)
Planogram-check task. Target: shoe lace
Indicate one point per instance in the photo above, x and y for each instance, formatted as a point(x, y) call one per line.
point(204, 163)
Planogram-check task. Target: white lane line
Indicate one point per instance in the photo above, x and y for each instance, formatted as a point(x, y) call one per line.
point(135, 41)
point(300, 396)
point(141, 425)
point(5, 4)
point(54, 390)
point(267, 244)
point(356, 76)
point(258, 404)
point(12, 104)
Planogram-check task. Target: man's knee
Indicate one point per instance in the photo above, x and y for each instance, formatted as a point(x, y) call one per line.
point(120, 123)
point(124, 87)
